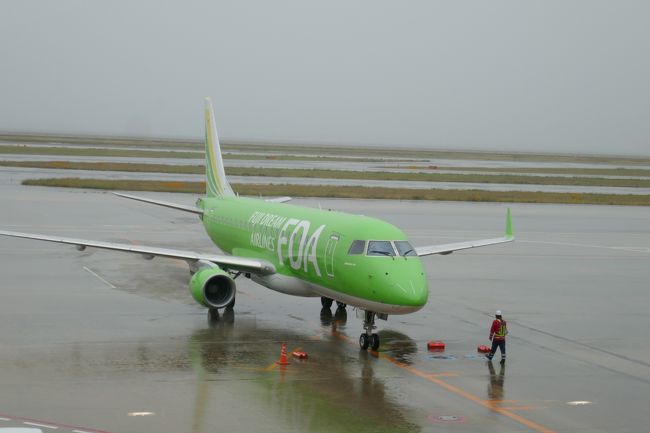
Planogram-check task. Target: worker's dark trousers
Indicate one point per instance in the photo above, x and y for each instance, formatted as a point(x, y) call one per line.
point(501, 344)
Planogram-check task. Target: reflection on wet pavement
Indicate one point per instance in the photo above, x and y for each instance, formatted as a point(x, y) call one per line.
point(307, 395)
point(338, 320)
point(399, 346)
point(495, 390)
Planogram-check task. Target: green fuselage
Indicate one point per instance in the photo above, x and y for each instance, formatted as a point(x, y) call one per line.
point(310, 251)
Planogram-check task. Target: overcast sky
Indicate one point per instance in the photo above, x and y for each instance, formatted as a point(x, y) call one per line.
point(570, 76)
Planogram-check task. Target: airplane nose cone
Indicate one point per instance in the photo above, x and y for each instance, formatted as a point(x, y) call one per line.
point(416, 293)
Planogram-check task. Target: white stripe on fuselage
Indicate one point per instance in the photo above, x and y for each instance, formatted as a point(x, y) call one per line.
point(297, 287)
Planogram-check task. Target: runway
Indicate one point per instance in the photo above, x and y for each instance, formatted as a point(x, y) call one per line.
point(110, 342)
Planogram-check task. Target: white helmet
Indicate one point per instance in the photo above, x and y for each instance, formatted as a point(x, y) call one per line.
point(498, 312)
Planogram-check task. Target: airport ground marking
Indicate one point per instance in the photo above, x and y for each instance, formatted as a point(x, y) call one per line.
point(35, 424)
point(76, 429)
point(87, 269)
point(445, 374)
point(456, 390)
point(271, 367)
point(246, 367)
point(519, 407)
point(604, 247)
point(469, 396)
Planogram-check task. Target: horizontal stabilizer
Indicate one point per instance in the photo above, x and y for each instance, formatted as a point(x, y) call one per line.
point(184, 208)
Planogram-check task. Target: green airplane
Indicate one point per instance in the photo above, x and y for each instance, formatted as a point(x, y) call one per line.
point(351, 259)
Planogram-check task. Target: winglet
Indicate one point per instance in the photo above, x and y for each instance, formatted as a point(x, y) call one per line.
point(509, 233)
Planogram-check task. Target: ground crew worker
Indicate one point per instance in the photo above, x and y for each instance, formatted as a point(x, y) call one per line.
point(498, 333)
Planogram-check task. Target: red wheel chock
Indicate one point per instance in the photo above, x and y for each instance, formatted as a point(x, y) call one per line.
point(300, 354)
point(438, 346)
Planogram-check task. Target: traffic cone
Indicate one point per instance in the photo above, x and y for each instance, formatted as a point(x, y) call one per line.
point(283, 355)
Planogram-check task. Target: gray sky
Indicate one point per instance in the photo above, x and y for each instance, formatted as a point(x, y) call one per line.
point(570, 76)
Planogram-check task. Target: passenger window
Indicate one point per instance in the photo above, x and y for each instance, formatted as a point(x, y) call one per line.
point(380, 248)
point(404, 248)
point(357, 247)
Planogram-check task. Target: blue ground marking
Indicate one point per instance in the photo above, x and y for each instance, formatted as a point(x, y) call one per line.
point(475, 356)
point(445, 357)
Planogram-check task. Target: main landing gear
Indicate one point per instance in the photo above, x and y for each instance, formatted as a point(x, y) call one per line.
point(340, 316)
point(327, 303)
point(368, 338)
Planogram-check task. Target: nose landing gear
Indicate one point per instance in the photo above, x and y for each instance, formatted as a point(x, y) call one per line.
point(368, 338)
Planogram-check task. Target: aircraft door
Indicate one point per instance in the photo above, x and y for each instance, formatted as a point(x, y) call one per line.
point(330, 249)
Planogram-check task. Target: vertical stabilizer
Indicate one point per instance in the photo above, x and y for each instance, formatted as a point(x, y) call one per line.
point(216, 184)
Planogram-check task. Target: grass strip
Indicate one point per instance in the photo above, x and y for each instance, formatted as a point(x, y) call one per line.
point(108, 166)
point(339, 174)
point(356, 192)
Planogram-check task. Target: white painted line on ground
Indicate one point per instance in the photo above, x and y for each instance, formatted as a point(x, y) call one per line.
point(40, 425)
point(79, 431)
point(99, 278)
point(5, 419)
point(607, 247)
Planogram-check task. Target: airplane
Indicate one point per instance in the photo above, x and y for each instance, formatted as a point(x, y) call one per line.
point(354, 260)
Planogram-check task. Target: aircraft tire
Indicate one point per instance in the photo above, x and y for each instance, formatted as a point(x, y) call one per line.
point(364, 341)
point(374, 341)
point(340, 305)
point(231, 306)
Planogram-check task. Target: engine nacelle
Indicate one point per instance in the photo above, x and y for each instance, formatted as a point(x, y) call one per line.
point(212, 287)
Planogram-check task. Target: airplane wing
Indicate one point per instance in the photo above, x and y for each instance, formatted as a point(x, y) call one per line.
point(255, 266)
point(278, 199)
point(450, 248)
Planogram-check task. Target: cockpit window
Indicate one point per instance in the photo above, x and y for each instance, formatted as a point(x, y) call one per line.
point(380, 248)
point(404, 248)
point(357, 247)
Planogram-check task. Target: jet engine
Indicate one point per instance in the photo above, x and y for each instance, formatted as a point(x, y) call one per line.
point(212, 287)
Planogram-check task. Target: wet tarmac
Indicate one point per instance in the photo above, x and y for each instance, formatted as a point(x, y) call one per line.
point(98, 341)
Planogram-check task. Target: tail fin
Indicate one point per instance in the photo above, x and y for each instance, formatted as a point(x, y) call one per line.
point(215, 176)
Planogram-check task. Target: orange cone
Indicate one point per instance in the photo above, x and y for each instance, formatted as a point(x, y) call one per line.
point(283, 355)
